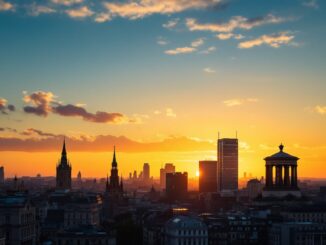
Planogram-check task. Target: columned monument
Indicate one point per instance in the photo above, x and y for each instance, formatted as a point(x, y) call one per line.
point(281, 175)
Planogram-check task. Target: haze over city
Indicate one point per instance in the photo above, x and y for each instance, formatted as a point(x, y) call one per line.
point(159, 80)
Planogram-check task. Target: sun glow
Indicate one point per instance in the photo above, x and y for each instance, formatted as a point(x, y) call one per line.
point(197, 173)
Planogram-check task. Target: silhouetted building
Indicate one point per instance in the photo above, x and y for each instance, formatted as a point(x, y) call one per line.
point(207, 176)
point(227, 166)
point(168, 168)
point(2, 175)
point(146, 172)
point(113, 191)
point(285, 181)
point(254, 188)
point(63, 177)
point(176, 186)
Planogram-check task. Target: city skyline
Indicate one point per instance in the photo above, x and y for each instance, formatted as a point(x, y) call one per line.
point(159, 80)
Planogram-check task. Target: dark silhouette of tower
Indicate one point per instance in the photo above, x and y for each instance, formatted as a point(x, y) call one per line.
point(63, 171)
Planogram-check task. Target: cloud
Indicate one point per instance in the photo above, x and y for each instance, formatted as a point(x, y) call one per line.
point(311, 4)
point(39, 141)
point(209, 70)
point(238, 102)
point(171, 23)
point(161, 41)
point(208, 50)
point(5, 6)
point(170, 113)
point(226, 36)
point(181, 50)
point(36, 10)
point(102, 17)
point(79, 13)
point(236, 22)
point(4, 108)
point(320, 109)
point(274, 40)
point(141, 8)
point(198, 42)
point(98, 117)
point(66, 2)
point(42, 103)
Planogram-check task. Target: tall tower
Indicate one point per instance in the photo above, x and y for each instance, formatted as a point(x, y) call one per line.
point(146, 172)
point(63, 171)
point(227, 166)
point(114, 185)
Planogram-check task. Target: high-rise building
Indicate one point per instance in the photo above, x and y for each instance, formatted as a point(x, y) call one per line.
point(2, 175)
point(227, 166)
point(63, 178)
point(168, 168)
point(207, 176)
point(146, 172)
point(176, 186)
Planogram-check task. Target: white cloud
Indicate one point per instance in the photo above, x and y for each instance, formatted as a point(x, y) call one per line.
point(209, 50)
point(161, 41)
point(102, 17)
point(225, 36)
point(198, 42)
point(181, 50)
point(238, 102)
point(311, 4)
point(6, 6)
point(274, 40)
point(80, 13)
point(171, 23)
point(209, 70)
point(36, 10)
point(320, 109)
point(236, 22)
point(170, 113)
point(66, 2)
point(141, 8)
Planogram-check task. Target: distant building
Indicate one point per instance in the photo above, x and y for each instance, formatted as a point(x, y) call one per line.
point(285, 182)
point(176, 186)
point(17, 221)
point(185, 230)
point(207, 176)
point(146, 172)
point(2, 175)
point(254, 188)
point(63, 177)
point(114, 190)
point(169, 168)
point(227, 168)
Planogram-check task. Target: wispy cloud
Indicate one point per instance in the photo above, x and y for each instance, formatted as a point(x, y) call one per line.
point(198, 42)
point(171, 24)
point(169, 112)
point(274, 40)
point(6, 6)
point(320, 109)
point(236, 22)
point(162, 41)
point(181, 50)
point(79, 13)
point(142, 8)
point(209, 50)
point(226, 36)
point(66, 2)
point(311, 4)
point(102, 17)
point(4, 108)
point(42, 103)
point(36, 10)
point(209, 70)
point(238, 102)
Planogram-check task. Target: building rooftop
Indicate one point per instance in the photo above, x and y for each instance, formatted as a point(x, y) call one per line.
point(281, 155)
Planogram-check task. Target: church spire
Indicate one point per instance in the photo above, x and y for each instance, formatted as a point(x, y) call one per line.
point(114, 161)
point(64, 153)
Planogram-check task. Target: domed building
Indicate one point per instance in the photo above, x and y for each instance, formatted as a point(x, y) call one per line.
point(186, 230)
point(281, 175)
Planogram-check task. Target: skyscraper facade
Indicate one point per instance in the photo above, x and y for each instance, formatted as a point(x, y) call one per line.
point(176, 186)
point(227, 167)
point(146, 172)
point(2, 175)
point(168, 168)
point(63, 177)
point(207, 176)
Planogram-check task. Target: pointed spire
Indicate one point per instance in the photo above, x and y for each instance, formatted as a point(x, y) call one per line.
point(64, 152)
point(64, 160)
point(114, 161)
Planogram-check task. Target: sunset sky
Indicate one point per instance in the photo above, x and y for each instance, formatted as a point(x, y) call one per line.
point(159, 79)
